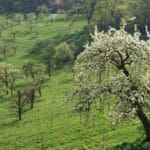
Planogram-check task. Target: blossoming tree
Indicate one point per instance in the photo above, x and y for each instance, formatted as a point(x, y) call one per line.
point(116, 64)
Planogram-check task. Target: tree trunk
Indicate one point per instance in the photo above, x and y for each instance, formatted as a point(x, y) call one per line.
point(49, 68)
point(11, 91)
point(32, 98)
point(146, 123)
point(6, 81)
point(40, 93)
point(19, 105)
point(142, 116)
point(19, 113)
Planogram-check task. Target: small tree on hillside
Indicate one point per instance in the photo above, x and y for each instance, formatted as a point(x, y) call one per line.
point(29, 93)
point(64, 54)
point(49, 60)
point(12, 80)
point(41, 16)
point(18, 18)
point(31, 18)
point(14, 48)
point(30, 69)
point(8, 75)
point(42, 9)
point(4, 49)
point(116, 64)
point(39, 84)
point(20, 100)
point(14, 33)
point(10, 23)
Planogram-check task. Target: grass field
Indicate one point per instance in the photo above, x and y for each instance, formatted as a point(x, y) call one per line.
point(52, 124)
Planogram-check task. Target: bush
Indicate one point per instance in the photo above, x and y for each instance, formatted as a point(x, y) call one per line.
point(64, 54)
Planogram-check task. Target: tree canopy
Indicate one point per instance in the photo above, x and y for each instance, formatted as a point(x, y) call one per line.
point(21, 5)
point(116, 64)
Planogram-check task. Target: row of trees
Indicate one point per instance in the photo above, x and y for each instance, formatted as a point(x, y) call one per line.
point(106, 13)
point(24, 86)
point(21, 86)
point(22, 5)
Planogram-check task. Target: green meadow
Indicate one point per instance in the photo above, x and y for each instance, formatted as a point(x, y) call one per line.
point(53, 124)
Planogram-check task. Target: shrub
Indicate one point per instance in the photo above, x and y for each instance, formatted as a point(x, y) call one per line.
point(64, 54)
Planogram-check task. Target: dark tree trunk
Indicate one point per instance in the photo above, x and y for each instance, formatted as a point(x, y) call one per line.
point(142, 116)
point(6, 81)
point(146, 123)
point(19, 105)
point(125, 71)
point(4, 54)
point(49, 69)
point(19, 114)
point(40, 93)
point(32, 98)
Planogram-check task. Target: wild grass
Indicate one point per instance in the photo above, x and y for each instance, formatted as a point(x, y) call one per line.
point(52, 124)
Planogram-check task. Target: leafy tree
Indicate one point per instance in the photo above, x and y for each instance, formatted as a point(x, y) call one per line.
point(42, 9)
point(39, 84)
point(12, 80)
point(22, 5)
point(31, 18)
point(8, 74)
point(140, 9)
point(116, 64)
point(20, 104)
point(32, 96)
point(29, 92)
point(18, 18)
point(64, 54)
point(41, 16)
point(49, 59)
point(4, 49)
point(30, 69)
point(20, 99)
point(9, 23)
point(110, 13)
point(14, 33)
point(14, 48)
point(84, 7)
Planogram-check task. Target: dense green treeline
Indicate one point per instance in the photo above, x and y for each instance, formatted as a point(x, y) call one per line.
point(104, 13)
point(21, 5)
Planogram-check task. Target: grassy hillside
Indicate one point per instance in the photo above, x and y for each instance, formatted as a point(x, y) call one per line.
point(52, 124)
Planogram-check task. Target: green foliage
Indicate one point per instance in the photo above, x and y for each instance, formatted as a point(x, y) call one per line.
point(52, 124)
point(22, 5)
point(77, 39)
point(18, 18)
point(115, 64)
point(64, 54)
point(3, 49)
point(8, 75)
point(137, 145)
point(42, 9)
point(30, 69)
point(31, 17)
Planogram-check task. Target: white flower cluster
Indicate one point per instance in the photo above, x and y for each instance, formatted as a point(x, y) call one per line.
point(118, 62)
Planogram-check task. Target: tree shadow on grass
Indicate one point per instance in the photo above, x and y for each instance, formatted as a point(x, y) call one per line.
point(8, 124)
point(137, 145)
